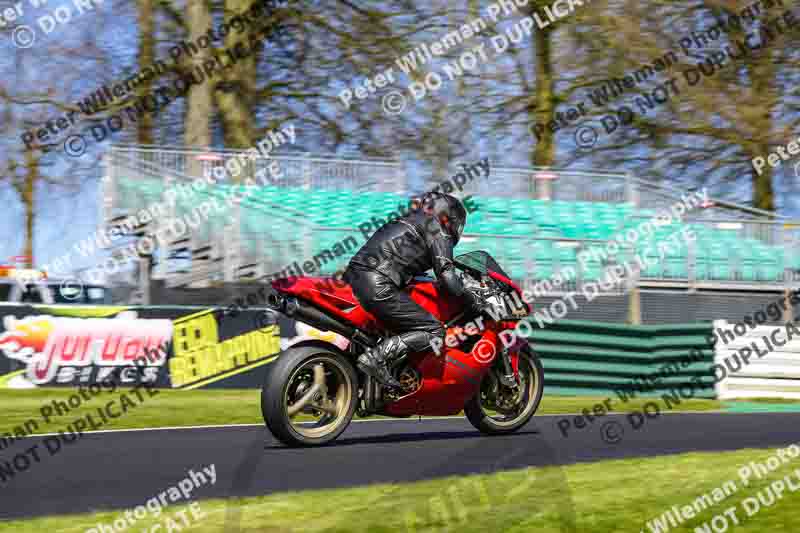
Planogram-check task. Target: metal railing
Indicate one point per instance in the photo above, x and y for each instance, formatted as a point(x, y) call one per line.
point(302, 170)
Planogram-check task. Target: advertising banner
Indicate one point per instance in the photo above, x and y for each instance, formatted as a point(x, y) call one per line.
point(172, 347)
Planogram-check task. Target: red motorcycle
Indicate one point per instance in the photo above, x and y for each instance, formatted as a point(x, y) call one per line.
point(313, 389)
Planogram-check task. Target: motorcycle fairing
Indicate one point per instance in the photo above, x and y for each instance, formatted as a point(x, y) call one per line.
point(449, 380)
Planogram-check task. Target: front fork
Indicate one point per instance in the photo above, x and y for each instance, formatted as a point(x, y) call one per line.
point(507, 376)
point(506, 371)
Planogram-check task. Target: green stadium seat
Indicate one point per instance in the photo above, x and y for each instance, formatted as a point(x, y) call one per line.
point(541, 212)
point(720, 271)
point(748, 272)
point(702, 269)
point(496, 205)
point(565, 254)
point(592, 271)
point(542, 250)
point(676, 269)
point(519, 229)
point(571, 230)
point(590, 230)
point(719, 253)
point(653, 263)
point(521, 211)
point(552, 232)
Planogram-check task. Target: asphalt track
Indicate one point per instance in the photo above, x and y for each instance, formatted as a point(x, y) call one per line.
point(124, 469)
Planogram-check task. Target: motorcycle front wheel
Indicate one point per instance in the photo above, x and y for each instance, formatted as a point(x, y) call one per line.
point(497, 409)
point(309, 396)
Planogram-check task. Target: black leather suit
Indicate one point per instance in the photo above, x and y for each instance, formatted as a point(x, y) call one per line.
point(384, 266)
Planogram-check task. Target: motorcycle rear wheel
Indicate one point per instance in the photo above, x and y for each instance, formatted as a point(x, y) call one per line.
point(309, 396)
point(487, 420)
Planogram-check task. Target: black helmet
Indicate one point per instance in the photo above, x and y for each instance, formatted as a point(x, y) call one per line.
point(448, 210)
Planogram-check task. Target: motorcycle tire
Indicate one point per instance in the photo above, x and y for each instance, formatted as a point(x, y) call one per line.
point(488, 425)
point(275, 394)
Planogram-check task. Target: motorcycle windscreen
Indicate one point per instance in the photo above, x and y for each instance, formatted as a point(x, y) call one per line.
point(481, 262)
point(484, 264)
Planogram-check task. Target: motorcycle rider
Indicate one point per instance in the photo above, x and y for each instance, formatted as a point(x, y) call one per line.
point(399, 250)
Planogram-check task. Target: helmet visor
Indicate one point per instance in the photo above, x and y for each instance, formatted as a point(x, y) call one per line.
point(458, 220)
point(458, 229)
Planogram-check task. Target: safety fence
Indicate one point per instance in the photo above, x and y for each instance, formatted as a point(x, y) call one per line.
point(594, 358)
point(303, 170)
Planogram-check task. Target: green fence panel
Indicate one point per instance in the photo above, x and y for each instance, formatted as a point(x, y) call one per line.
point(599, 358)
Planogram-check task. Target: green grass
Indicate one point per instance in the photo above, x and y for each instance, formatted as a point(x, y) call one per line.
point(218, 406)
point(782, 401)
point(552, 405)
point(166, 409)
point(608, 496)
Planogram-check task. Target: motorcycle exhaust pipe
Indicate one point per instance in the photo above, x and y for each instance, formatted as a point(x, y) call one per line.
point(302, 311)
point(299, 310)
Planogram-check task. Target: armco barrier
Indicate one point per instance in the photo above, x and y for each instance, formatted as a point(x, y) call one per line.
point(771, 370)
point(597, 358)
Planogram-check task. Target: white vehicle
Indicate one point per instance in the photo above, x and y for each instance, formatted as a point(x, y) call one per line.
point(24, 285)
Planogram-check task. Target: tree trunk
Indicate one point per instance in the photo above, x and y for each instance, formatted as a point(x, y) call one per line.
point(763, 194)
point(27, 194)
point(146, 57)
point(545, 152)
point(237, 96)
point(764, 73)
point(198, 102)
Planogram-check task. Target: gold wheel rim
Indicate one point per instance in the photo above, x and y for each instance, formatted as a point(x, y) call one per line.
point(317, 397)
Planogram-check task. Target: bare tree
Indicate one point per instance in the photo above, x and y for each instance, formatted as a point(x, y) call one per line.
point(726, 102)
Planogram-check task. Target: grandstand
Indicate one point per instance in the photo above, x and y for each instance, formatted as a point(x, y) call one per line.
point(536, 222)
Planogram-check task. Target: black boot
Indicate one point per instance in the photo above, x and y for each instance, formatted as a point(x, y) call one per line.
point(375, 361)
